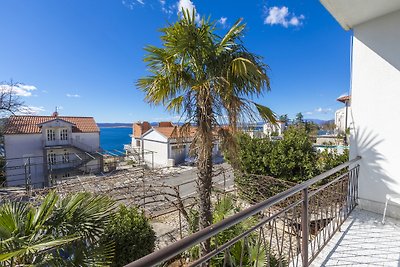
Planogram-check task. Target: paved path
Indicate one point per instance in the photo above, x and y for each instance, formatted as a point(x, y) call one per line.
point(364, 241)
point(188, 187)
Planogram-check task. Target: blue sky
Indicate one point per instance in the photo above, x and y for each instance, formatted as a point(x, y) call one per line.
point(85, 56)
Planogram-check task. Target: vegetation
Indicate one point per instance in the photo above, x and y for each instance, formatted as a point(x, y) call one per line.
point(204, 76)
point(284, 118)
point(10, 102)
point(77, 230)
point(251, 252)
point(58, 232)
point(131, 234)
point(299, 118)
point(292, 159)
point(2, 171)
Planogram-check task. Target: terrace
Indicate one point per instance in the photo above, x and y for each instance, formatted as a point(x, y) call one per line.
point(316, 223)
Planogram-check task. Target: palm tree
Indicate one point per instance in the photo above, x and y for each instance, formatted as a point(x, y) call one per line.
point(58, 232)
point(206, 77)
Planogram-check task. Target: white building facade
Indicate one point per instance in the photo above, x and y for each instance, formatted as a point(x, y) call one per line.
point(270, 129)
point(375, 91)
point(40, 149)
point(163, 145)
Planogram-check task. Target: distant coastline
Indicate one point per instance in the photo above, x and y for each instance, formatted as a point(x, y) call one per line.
point(114, 125)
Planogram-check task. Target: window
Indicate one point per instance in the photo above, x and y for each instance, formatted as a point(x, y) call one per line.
point(51, 135)
point(64, 134)
point(51, 158)
point(65, 157)
point(138, 143)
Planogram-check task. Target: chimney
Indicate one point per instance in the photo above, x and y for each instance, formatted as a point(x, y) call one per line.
point(55, 113)
point(140, 128)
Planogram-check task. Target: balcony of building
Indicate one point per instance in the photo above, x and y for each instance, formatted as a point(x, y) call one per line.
point(316, 223)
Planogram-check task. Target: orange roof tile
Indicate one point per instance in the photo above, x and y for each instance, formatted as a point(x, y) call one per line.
point(30, 124)
point(173, 132)
point(344, 99)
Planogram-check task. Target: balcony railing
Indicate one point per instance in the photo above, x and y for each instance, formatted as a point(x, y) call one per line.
point(288, 229)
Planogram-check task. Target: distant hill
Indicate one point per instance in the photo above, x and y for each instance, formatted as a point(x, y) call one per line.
point(318, 121)
point(114, 125)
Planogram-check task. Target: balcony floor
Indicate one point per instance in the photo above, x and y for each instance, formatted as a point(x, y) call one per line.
point(363, 241)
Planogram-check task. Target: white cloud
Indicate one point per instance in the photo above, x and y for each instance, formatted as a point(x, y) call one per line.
point(73, 95)
point(222, 21)
point(188, 5)
point(319, 110)
point(19, 89)
point(323, 110)
point(132, 3)
point(167, 9)
point(281, 16)
point(30, 110)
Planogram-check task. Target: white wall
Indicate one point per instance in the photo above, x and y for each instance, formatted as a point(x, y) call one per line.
point(88, 140)
point(24, 145)
point(154, 141)
point(376, 108)
point(31, 145)
point(340, 119)
point(159, 155)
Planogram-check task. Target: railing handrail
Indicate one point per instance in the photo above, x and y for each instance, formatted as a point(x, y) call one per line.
point(210, 231)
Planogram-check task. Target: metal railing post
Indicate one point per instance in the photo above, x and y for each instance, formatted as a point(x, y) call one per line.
point(304, 228)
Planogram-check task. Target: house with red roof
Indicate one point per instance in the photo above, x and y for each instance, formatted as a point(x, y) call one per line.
point(166, 144)
point(41, 149)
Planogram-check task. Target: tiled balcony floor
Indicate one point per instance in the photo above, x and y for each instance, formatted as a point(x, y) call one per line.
point(363, 241)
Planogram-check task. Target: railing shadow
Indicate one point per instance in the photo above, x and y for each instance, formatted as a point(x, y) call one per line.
point(364, 241)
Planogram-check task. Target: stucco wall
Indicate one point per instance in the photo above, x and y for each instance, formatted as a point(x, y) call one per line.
point(24, 145)
point(376, 109)
point(19, 147)
point(91, 140)
point(160, 155)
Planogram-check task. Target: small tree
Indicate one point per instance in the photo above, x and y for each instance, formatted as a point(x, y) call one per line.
point(131, 234)
point(204, 76)
point(10, 102)
point(284, 118)
point(299, 118)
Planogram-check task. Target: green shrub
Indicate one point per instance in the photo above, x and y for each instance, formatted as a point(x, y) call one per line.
point(131, 234)
point(291, 160)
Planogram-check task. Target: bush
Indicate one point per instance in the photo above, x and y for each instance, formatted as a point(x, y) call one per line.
point(131, 234)
point(292, 159)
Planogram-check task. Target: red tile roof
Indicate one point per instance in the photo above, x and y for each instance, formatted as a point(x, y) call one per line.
point(344, 99)
point(173, 132)
point(30, 124)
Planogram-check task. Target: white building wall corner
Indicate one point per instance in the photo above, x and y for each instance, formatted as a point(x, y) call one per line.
point(375, 108)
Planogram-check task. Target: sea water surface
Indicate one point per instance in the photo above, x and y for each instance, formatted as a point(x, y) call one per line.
point(112, 139)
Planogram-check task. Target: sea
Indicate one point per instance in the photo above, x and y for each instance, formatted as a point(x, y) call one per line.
point(112, 139)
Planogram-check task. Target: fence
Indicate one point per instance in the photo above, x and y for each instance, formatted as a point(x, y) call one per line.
point(287, 229)
point(42, 171)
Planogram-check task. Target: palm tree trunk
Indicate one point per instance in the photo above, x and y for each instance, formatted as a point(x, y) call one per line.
point(205, 164)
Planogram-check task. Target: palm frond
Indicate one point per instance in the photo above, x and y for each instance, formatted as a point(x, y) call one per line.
point(266, 113)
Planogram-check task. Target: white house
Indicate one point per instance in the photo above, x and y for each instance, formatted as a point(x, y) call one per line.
point(163, 145)
point(343, 120)
point(278, 128)
point(39, 149)
point(375, 92)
